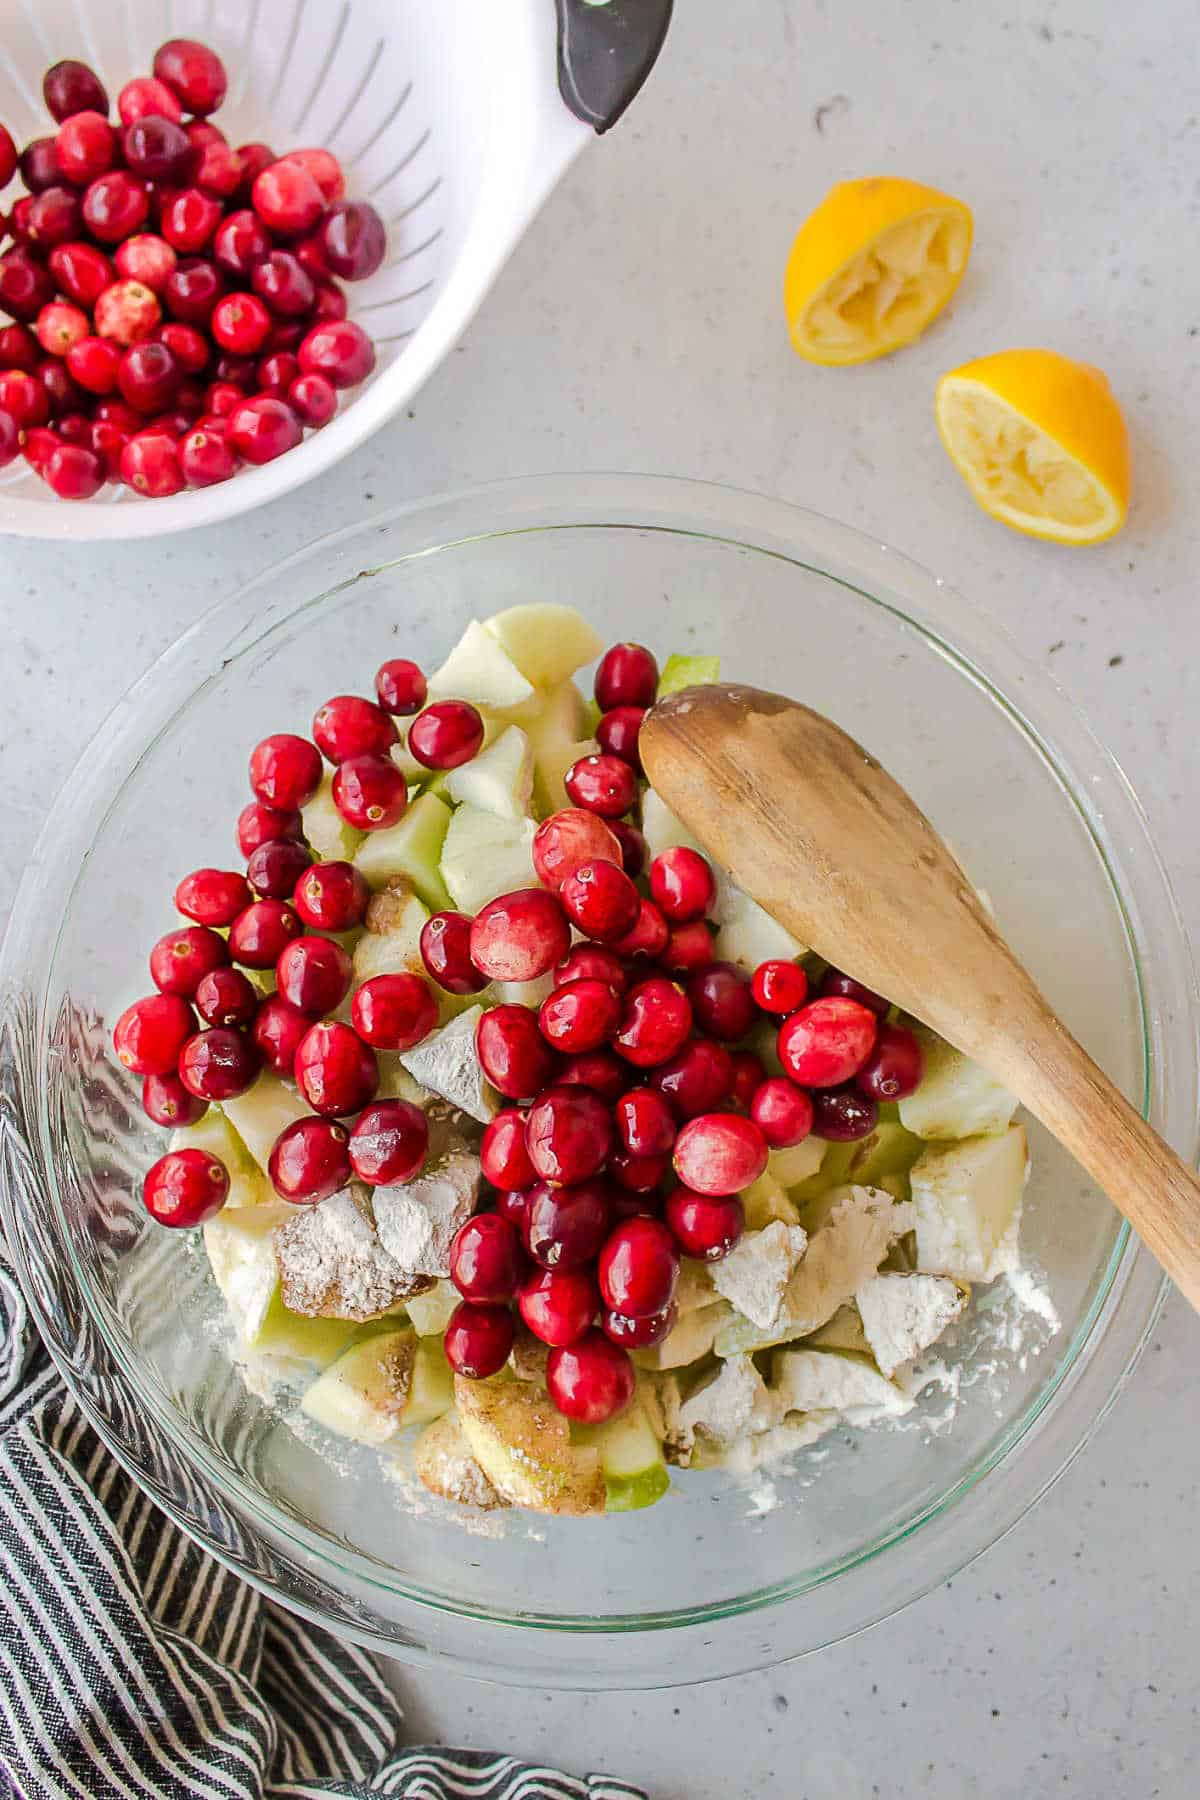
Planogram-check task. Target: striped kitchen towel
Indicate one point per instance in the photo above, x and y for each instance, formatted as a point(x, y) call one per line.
point(134, 1667)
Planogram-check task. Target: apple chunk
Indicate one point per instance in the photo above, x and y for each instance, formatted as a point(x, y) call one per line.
point(546, 642)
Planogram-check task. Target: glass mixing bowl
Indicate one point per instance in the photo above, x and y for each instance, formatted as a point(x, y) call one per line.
point(715, 1579)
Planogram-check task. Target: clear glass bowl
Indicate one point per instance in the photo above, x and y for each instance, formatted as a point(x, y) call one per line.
point(702, 1585)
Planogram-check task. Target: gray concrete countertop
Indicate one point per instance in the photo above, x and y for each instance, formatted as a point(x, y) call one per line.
point(639, 326)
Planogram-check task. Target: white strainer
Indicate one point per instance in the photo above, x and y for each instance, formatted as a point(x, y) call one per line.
point(446, 114)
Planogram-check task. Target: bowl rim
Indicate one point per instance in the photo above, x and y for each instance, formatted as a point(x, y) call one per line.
point(1105, 1345)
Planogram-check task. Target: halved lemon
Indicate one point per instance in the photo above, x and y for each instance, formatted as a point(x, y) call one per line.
point(1041, 443)
point(870, 268)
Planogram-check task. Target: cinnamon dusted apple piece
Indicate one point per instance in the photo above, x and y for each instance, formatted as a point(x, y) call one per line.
point(332, 1263)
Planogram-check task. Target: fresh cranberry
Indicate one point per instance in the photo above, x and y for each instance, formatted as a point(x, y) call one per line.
point(565, 1226)
point(109, 441)
point(240, 323)
point(167, 1102)
point(895, 1066)
point(222, 398)
point(185, 1187)
point(748, 1077)
point(192, 290)
point(479, 1339)
point(627, 675)
point(285, 770)
point(149, 1035)
point(602, 784)
point(194, 73)
point(261, 824)
point(75, 428)
point(512, 1051)
point(146, 258)
point(567, 839)
point(19, 221)
point(719, 1154)
point(722, 1001)
point(502, 1153)
point(313, 974)
point(704, 1228)
point(580, 1016)
point(591, 1380)
point(335, 1071)
point(202, 133)
point(279, 1029)
point(10, 439)
point(779, 987)
point(25, 286)
point(253, 158)
point(18, 347)
point(618, 731)
point(446, 952)
point(8, 157)
point(649, 936)
point(599, 1070)
point(205, 458)
point(180, 960)
point(189, 219)
point(283, 285)
point(277, 374)
point(86, 146)
point(645, 1122)
point(637, 1177)
point(259, 934)
point(227, 997)
point(325, 170)
point(71, 87)
point(144, 98)
point(512, 1205)
point(188, 346)
point(213, 896)
point(568, 1133)
point(338, 349)
point(389, 1143)
point(592, 962)
point(601, 900)
point(842, 1115)
point(94, 362)
point(115, 412)
point(150, 465)
point(284, 338)
point(446, 735)
point(827, 1041)
point(370, 792)
point(219, 170)
point(24, 398)
point(487, 1258)
point(332, 896)
point(558, 1305)
point(73, 472)
point(157, 149)
point(394, 1012)
point(39, 446)
point(309, 1161)
point(519, 936)
point(219, 1063)
point(310, 255)
point(274, 869)
point(55, 218)
point(115, 205)
point(314, 399)
point(353, 240)
point(836, 985)
point(349, 726)
point(240, 242)
point(127, 312)
point(638, 1268)
point(148, 377)
point(697, 1079)
point(655, 1024)
point(287, 198)
point(782, 1111)
point(39, 164)
point(262, 429)
point(329, 306)
point(639, 1334)
point(64, 394)
point(681, 881)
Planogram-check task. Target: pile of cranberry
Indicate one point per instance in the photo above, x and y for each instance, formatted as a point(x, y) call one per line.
point(176, 300)
point(637, 1114)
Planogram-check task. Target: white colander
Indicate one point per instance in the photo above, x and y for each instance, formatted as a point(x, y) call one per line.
point(446, 114)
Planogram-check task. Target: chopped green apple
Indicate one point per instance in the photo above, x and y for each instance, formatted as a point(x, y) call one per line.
point(560, 725)
point(797, 1162)
point(693, 1336)
point(262, 1112)
point(887, 1151)
point(499, 780)
point(241, 1253)
point(383, 1383)
point(843, 1332)
point(329, 837)
point(430, 1311)
point(484, 856)
point(747, 934)
point(809, 1381)
point(443, 1462)
point(248, 1186)
point(765, 1201)
point(413, 849)
point(660, 828)
point(391, 944)
point(967, 1197)
point(480, 670)
point(554, 763)
point(445, 1062)
point(635, 1474)
point(522, 1443)
point(956, 1098)
point(688, 671)
point(546, 642)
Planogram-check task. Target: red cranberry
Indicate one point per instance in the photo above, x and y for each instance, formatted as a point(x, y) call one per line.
point(167, 1102)
point(39, 446)
point(240, 323)
point(24, 397)
point(263, 429)
point(219, 171)
point(310, 1161)
point(519, 936)
point(108, 441)
point(180, 960)
point(721, 1001)
point(655, 1024)
point(39, 164)
point(222, 398)
point(18, 346)
point(188, 346)
point(634, 849)
point(150, 465)
point(55, 218)
point(638, 1268)
point(479, 1339)
point(74, 473)
point(827, 1041)
point(325, 170)
point(146, 258)
point(227, 997)
point(627, 676)
point(502, 1154)
point(259, 934)
point(329, 306)
point(349, 726)
point(779, 987)
point(278, 1031)
point(353, 240)
point(274, 869)
point(157, 149)
point(10, 439)
point(149, 1035)
point(580, 1016)
point(71, 87)
point(191, 291)
point(144, 98)
point(148, 377)
point(389, 1143)
point(639, 1334)
point(332, 896)
point(185, 1187)
point(697, 1079)
point(648, 937)
point(240, 242)
point(189, 219)
point(313, 974)
point(841, 1115)
point(335, 1071)
point(602, 784)
point(599, 1070)
point(369, 791)
point(703, 1227)
point(591, 1380)
point(565, 1226)
point(617, 734)
point(748, 1077)
point(194, 73)
point(260, 824)
point(638, 1177)
point(74, 428)
point(601, 900)
point(719, 1154)
point(568, 839)
point(219, 1063)
point(681, 881)
point(205, 458)
point(592, 962)
point(8, 157)
point(782, 1111)
point(645, 1122)
point(314, 399)
point(511, 1203)
point(446, 952)
point(836, 985)
point(895, 1066)
point(446, 735)
point(94, 363)
point(86, 146)
point(115, 206)
point(285, 770)
point(487, 1259)
point(127, 312)
point(287, 198)
point(394, 1012)
point(25, 286)
point(512, 1051)
point(18, 219)
point(283, 284)
point(338, 349)
point(276, 375)
point(558, 1305)
point(568, 1133)
point(64, 394)
point(213, 896)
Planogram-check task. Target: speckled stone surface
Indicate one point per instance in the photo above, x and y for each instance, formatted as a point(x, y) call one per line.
point(638, 326)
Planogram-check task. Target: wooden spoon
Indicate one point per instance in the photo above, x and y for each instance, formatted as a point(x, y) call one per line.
point(823, 838)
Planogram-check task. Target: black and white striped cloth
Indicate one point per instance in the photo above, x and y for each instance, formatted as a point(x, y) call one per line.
point(134, 1667)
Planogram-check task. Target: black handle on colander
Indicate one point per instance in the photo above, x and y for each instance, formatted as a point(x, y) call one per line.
point(606, 49)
